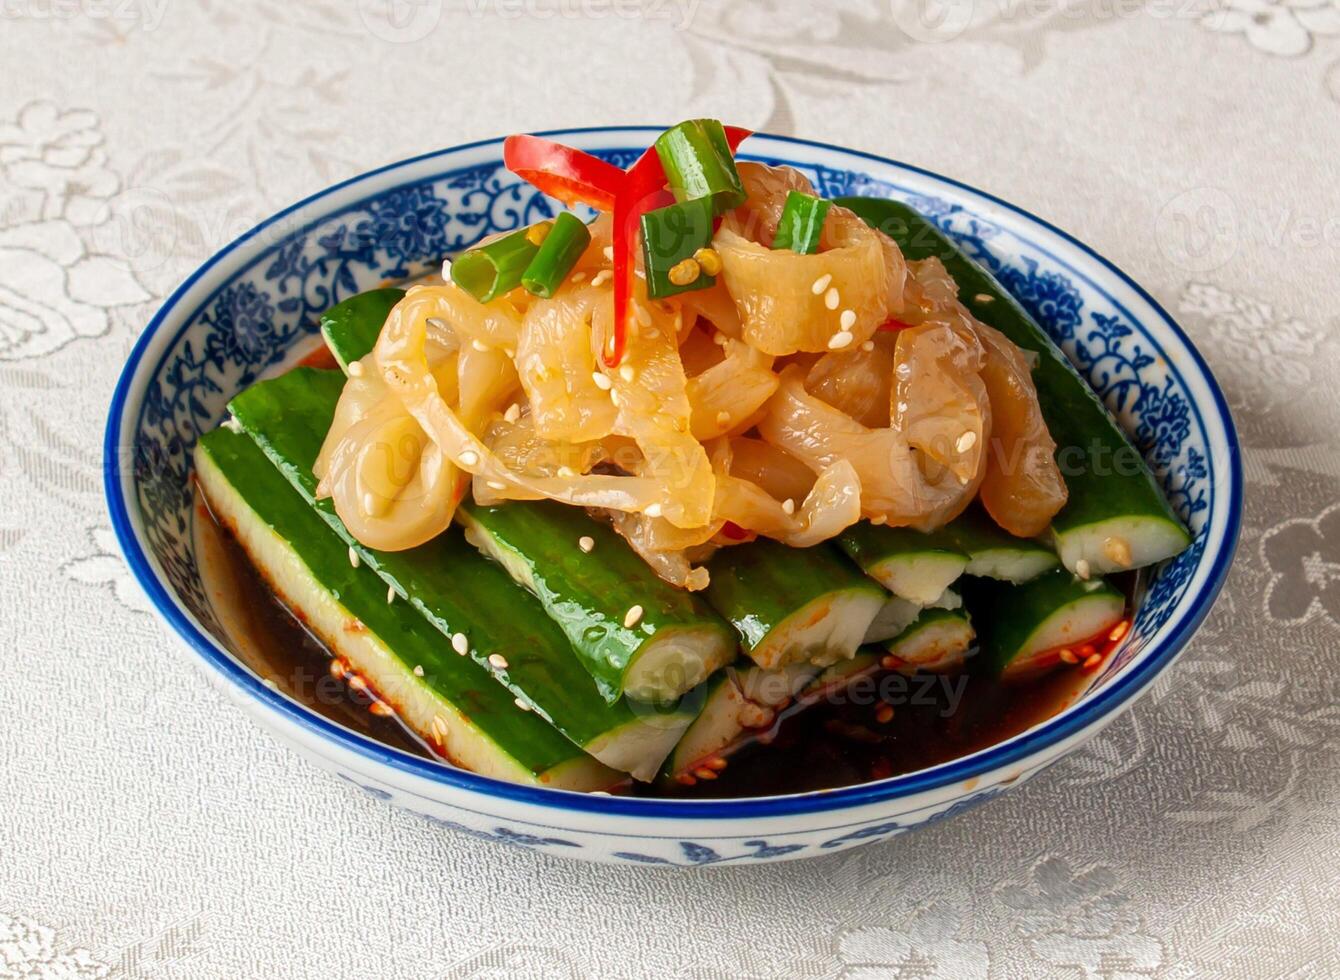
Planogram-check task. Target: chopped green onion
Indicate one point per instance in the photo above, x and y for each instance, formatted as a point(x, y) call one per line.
point(493, 269)
point(558, 253)
point(801, 223)
point(670, 236)
point(698, 163)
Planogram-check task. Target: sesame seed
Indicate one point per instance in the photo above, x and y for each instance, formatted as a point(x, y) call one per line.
point(1093, 661)
point(608, 252)
point(380, 709)
point(789, 505)
point(984, 298)
point(338, 669)
point(513, 412)
point(702, 772)
point(390, 594)
point(684, 272)
point(884, 714)
point(495, 484)
point(460, 643)
point(821, 283)
point(566, 472)
point(1118, 550)
point(632, 617)
point(840, 340)
point(708, 260)
point(966, 441)
point(269, 683)
point(497, 661)
point(889, 662)
point(831, 298)
point(723, 418)
point(847, 319)
point(868, 346)
point(716, 763)
point(357, 682)
point(1119, 630)
point(586, 543)
point(1068, 657)
point(1082, 568)
point(627, 373)
point(469, 458)
point(719, 339)
point(602, 277)
point(523, 705)
point(353, 556)
point(602, 381)
point(479, 345)
point(653, 510)
point(879, 519)
point(418, 670)
point(355, 369)
point(685, 779)
point(578, 277)
point(614, 398)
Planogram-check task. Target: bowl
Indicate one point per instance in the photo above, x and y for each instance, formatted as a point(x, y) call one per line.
point(253, 305)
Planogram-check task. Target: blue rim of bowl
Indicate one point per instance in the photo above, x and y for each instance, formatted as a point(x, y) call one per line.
point(1092, 712)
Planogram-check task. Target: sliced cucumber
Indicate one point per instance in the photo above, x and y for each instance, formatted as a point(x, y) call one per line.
point(636, 634)
point(450, 701)
point(1116, 516)
point(915, 565)
point(740, 700)
point(350, 328)
point(995, 553)
point(839, 676)
point(793, 604)
point(892, 618)
point(462, 593)
point(1023, 626)
point(938, 640)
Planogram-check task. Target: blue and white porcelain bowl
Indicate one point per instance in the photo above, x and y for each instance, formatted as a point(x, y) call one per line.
point(250, 307)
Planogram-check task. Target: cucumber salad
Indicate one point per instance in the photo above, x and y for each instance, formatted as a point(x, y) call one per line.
point(619, 498)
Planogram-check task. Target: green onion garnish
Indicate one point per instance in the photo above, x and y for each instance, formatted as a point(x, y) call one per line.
point(802, 223)
point(558, 253)
point(698, 163)
point(493, 269)
point(670, 237)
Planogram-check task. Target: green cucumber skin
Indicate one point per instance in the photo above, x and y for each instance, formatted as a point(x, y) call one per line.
point(1007, 616)
point(288, 417)
point(869, 544)
point(589, 594)
point(522, 735)
point(1075, 415)
point(350, 328)
point(758, 585)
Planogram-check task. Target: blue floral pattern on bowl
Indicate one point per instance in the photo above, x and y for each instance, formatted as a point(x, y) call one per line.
point(286, 273)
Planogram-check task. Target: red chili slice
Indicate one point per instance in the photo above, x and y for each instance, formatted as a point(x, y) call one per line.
point(570, 175)
point(893, 326)
point(733, 531)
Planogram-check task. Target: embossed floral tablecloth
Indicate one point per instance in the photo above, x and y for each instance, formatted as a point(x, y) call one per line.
point(147, 829)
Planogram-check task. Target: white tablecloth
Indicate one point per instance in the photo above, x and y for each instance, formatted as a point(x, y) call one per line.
point(148, 830)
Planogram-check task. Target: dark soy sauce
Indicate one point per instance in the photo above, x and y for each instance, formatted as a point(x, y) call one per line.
point(837, 741)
